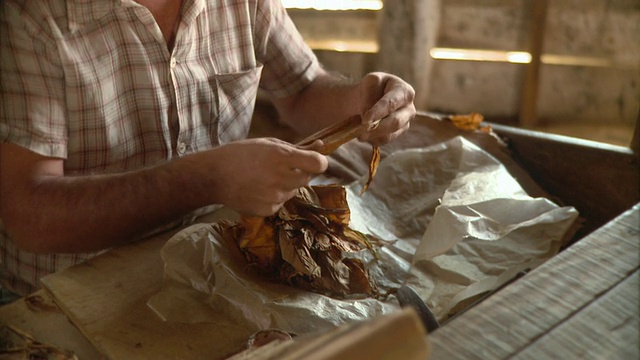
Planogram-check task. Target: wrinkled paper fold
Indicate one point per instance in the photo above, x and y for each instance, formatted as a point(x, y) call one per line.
point(461, 225)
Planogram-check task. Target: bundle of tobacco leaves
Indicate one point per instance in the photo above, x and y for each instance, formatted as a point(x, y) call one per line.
point(307, 242)
point(304, 244)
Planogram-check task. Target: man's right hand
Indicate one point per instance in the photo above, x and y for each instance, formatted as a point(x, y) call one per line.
point(257, 176)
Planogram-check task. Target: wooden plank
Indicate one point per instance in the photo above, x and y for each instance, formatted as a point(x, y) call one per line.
point(607, 328)
point(106, 299)
point(398, 335)
point(524, 311)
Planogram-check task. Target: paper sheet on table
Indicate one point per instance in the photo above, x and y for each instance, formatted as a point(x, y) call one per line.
point(462, 225)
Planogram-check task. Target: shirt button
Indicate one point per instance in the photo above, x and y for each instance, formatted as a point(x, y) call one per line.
point(173, 63)
point(182, 148)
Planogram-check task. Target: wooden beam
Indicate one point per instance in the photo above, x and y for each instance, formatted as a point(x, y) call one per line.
point(529, 99)
point(407, 31)
point(635, 141)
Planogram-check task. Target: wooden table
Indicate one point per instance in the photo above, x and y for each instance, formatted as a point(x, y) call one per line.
point(583, 303)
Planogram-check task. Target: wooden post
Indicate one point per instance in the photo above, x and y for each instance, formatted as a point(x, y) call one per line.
point(407, 31)
point(635, 141)
point(529, 99)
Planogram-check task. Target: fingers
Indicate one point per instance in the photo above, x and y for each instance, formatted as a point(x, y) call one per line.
point(397, 95)
point(316, 145)
point(268, 208)
point(289, 179)
point(291, 170)
point(308, 161)
point(394, 109)
point(382, 136)
point(283, 155)
point(257, 176)
point(390, 127)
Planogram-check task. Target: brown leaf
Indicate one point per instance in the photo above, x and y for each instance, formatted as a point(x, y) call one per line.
point(373, 167)
point(335, 274)
point(259, 243)
point(358, 279)
point(337, 134)
point(297, 254)
point(303, 244)
point(344, 243)
point(322, 242)
point(467, 122)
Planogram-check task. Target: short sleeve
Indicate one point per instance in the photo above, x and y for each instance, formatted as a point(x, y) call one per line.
point(32, 97)
point(289, 64)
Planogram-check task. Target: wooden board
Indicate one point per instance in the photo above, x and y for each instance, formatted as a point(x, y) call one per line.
point(611, 322)
point(398, 335)
point(106, 299)
point(558, 308)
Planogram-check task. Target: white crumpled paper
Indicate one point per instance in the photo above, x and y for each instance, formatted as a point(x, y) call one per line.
point(462, 225)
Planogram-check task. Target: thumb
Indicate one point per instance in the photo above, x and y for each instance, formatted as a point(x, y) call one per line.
point(316, 145)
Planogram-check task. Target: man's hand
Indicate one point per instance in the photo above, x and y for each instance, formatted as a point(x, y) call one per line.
point(389, 99)
point(330, 99)
point(257, 176)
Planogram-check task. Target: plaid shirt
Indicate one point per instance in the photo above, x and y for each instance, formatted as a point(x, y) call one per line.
point(94, 83)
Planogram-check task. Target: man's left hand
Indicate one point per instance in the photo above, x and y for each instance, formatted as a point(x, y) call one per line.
point(388, 99)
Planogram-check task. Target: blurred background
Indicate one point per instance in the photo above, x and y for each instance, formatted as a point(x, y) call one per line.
point(569, 67)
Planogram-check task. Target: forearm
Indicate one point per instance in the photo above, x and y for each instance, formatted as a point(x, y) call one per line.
point(46, 211)
point(330, 98)
point(89, 213)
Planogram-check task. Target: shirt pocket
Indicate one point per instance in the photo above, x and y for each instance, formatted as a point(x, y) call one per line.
point(236, 96)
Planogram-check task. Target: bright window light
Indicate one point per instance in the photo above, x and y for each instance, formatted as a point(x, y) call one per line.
point(579, 61)
point(523, 57)
point(516, 57)
point(367, 47)
point(333, 4)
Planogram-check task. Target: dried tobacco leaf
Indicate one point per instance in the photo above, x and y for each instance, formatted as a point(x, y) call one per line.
point(358, 277)
point(471, 122)
point(373, 167)
point(311, 237)
point(296, 251)
point(336, 135)
point(257, 242)
point(340, 133)
point(467, 122)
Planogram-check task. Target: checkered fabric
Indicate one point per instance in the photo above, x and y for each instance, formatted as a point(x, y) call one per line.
point(94, 82)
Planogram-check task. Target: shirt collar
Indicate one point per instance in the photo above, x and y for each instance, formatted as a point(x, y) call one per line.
point(191, 10)
point(83, 12)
